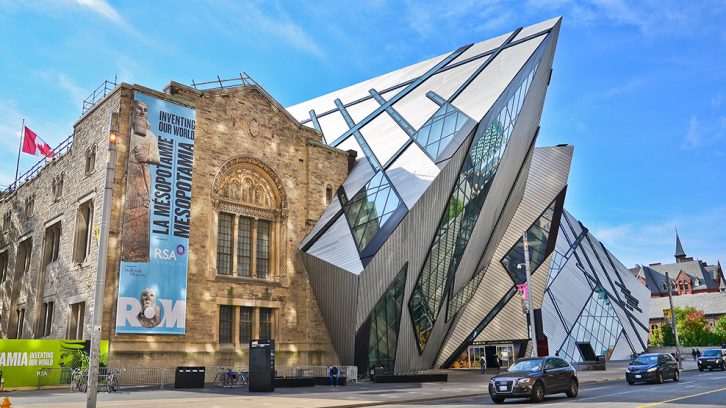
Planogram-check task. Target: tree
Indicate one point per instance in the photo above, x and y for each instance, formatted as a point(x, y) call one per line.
point(669, 339)
point(656, 339)
point(692, 326)
point(719, 330)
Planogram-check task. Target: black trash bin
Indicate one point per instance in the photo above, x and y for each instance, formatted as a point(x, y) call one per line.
point(189, 377)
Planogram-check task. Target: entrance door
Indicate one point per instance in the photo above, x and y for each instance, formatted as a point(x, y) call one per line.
point(506, 354)
point(475, 353)
point(491, 354)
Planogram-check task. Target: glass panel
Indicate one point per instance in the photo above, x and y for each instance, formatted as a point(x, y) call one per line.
point(224, 244)
point(440, 129)
point(385, 321)
point(370, 208)
point(245, 325)
point(225, 324)
point(265, 323)
point(598, 324)
point(263, 249)
point(244, 246)
point(474, 180)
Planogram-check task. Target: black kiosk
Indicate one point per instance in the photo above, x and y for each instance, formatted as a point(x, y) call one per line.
point(262, 366)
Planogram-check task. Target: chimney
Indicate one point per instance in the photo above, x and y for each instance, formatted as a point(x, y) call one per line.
point(352, 154)
point(654, 264)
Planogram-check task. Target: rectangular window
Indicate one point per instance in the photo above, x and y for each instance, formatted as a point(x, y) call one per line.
point(244, 246)
point(46, 319)
point(245, 325)
point(225, 324)
point(84, 222)
point(3, 266)
point(266, 323)
point(224, 244)
point(75, 322)
point(263, 249)
point(52, 243)
point(21, 321)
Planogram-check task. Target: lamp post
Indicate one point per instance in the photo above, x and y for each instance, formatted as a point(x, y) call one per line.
point(98, 298)
point(528, 275)
point(669, 286)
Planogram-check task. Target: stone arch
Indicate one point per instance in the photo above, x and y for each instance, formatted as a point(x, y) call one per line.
point(250, 181)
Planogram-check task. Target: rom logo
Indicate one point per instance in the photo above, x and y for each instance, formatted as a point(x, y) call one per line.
point(164, 254)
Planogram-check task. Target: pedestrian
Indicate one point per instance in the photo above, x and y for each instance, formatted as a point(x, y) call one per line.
point(499, 363)
point(334, 375)
point(693, 354)
point(483, 364)
point(698, 352)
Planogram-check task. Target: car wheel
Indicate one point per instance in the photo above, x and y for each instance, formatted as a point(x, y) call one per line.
point(700, 369)
point(497, 400)
point(631, 382)
point(572, 389)
point(723, 366)
point(659, 377)
point(677, 375)
point(538, 392)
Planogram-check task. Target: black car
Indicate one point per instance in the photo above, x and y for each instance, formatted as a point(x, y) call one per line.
point(714, 358)
point(534, 378)
point(654, 367)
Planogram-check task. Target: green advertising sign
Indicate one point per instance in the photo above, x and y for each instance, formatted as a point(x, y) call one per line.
point(33, 363)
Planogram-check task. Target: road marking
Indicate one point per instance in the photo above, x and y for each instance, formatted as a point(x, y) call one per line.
point(682, 398)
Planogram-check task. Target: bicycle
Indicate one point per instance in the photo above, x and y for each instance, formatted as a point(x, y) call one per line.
point(220, 377)
point(112, 380)
point(79, 380)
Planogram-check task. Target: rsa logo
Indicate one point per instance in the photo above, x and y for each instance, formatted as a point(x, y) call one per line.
point(169, 254)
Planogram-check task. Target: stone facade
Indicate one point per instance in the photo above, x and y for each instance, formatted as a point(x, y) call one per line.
point(243, 139)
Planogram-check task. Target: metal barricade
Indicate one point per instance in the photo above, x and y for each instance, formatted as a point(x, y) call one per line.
point(139, 376)
point(350, 372)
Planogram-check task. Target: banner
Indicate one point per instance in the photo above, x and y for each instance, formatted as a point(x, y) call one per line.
point(157, 212)
point(26, 363)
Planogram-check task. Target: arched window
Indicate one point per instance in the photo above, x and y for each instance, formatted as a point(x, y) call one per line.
point(328, 194)
point(250, 215)
point(90, 159)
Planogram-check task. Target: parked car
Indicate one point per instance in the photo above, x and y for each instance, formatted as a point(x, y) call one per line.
point(534, 378)
point(713, 358)
point(654, 367)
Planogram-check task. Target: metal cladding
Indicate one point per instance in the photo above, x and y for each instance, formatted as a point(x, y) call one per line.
point(592, 298)
point(416, 256)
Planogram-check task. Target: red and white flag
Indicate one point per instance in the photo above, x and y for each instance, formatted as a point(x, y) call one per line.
point(34, 145)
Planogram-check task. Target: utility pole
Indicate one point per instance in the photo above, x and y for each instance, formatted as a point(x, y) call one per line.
point(98, 298)
point(529, 294)
point(673, 322)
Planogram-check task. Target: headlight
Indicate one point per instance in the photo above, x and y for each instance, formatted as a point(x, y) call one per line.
point(525, 381)
point(650, 370)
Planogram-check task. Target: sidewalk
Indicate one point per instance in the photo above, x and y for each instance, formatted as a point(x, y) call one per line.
point(462, 383)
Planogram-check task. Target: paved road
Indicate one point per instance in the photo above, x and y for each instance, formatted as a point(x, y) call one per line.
point(706, 389)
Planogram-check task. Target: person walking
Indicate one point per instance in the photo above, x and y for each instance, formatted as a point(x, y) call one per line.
point(499, 363)
point(698, 352)
point(693, 354)
point(483, 364)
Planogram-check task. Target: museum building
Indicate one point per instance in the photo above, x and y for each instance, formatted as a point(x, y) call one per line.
point(381, 225)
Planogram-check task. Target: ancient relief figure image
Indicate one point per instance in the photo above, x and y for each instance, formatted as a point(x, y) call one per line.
point(143, 151)
point(150, 314)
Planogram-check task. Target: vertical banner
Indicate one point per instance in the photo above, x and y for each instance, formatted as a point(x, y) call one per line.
point(156, 216)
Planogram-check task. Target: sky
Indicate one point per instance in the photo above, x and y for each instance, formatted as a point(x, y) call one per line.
point(639, 88)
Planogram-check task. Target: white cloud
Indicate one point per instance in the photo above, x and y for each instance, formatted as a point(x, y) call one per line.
point(647, 242)
point(101, 7)
point(700, 134)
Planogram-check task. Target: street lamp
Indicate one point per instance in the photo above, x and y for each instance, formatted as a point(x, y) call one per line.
point(529, 297)
point(669, 285)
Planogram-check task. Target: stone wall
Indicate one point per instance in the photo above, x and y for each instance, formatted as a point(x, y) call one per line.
point(238, 124)
point(62, 281)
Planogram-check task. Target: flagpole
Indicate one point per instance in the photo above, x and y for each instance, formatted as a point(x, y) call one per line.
point(20, 148)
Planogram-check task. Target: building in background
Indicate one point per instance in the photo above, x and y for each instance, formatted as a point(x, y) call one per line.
point(696, 284)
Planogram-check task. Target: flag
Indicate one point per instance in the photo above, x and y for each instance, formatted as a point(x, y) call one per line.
point(34, 145)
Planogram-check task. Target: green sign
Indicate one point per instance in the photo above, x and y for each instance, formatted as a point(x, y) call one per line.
point(33, 363)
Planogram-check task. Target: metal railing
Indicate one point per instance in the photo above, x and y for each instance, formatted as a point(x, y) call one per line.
point(62, 148)
point(99, 93)
point(242, 80)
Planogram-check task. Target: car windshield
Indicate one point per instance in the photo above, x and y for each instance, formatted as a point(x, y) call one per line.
point(711, 353)
point(646, 360)
point(526, 365)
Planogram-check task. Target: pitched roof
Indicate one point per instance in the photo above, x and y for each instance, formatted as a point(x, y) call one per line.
point(709, 303)
point(680, 253)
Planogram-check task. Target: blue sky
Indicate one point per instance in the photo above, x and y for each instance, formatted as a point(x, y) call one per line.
point(638, 88)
